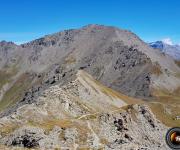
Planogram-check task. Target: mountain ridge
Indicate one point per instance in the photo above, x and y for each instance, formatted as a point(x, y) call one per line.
point(118, 58)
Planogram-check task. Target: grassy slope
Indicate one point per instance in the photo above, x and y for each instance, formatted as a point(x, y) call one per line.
point(15, 92)
point(4, 78)
point(166, 107)
point(177, 62)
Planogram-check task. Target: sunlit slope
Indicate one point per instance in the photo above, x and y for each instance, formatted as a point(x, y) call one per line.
point(166, 106)
point(100, 94)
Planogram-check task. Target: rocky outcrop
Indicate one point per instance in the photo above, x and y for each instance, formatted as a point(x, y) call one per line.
point(27, 137)
point(135, 128)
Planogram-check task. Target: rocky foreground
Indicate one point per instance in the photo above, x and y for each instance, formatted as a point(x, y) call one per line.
point(83, 114)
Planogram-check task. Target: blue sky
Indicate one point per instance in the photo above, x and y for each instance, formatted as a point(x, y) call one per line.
point(25, 20)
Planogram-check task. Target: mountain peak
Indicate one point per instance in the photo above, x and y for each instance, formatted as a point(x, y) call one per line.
point(166, 47)
point(6, 43)
point(157, 44)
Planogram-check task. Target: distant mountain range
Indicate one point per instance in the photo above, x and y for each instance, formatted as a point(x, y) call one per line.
point(172, 50)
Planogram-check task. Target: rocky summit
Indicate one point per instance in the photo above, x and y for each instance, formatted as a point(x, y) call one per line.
point(97, 87)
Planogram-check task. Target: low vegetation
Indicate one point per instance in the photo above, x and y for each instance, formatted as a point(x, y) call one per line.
point(15, 92)
point(166, 107)
point(8, 128)
point(156, 69)
point(177, 62)
point(70, 60)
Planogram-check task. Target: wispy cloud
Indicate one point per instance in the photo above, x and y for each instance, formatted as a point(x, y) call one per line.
point(167, 41)
point(20, 42)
